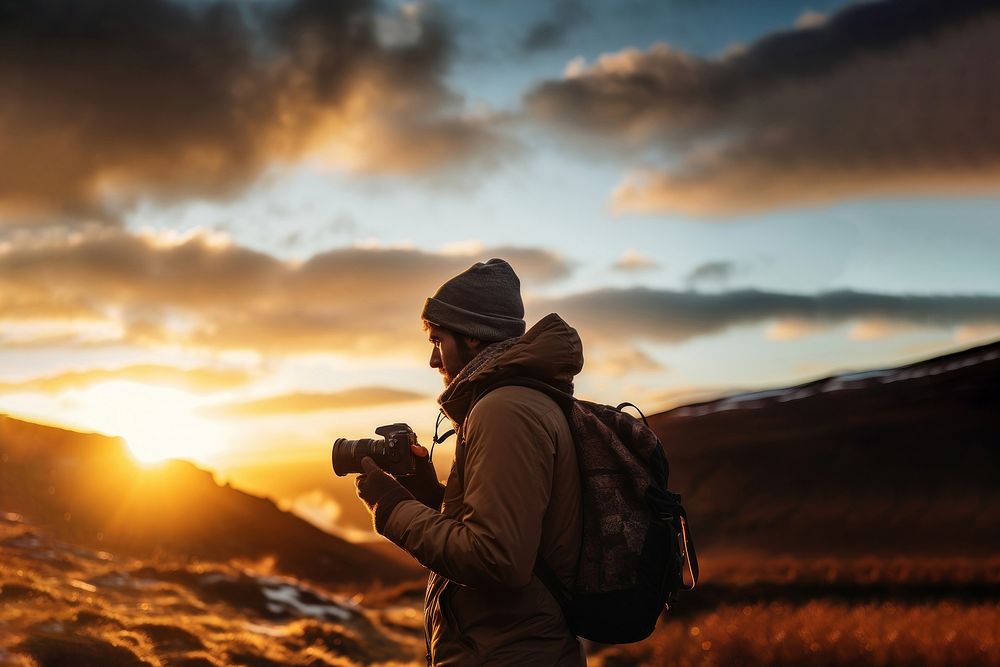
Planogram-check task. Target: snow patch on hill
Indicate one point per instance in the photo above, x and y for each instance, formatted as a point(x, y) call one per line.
point(852, 380)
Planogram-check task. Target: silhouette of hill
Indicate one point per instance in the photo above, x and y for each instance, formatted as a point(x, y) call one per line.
point(84, 488)
point(840, 521)
point(899, 460)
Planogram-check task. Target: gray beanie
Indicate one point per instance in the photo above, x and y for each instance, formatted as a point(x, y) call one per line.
point(483, 302)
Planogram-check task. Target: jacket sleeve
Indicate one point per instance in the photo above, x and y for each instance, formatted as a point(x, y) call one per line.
point(508, 480)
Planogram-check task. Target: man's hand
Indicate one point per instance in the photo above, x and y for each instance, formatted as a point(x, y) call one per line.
point(423, 483)
point(380, 492)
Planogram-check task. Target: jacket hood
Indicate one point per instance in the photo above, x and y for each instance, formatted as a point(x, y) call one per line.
point(550, 351)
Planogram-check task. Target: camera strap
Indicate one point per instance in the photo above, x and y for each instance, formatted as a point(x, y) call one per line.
point(439, 439)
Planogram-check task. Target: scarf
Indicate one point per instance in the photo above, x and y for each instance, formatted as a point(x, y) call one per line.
point(457, 396)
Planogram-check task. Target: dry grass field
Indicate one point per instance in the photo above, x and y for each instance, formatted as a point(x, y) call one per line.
point(823, 633)
point(755, 611)
point(61, 604)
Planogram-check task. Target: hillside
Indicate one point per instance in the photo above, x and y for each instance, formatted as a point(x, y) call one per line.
point(847, 520)
point(899, 460)
point(84, 489)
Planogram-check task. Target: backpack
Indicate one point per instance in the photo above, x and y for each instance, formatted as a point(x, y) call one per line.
point(636, 551)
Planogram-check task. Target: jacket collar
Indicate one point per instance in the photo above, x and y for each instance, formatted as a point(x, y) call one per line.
point(550, 351)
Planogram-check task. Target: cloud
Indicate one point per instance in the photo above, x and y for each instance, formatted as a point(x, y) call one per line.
point(880, 98)
point(616, 361)
point(878, 329)
point(810, 19)
point(200, 289)
point(108, 100)
point(614, 315)
point(978, 333)
point(357, 397)
point(715, 272)
point(317, 508)
point(192, 379)
point(551, 32)
point(793, 328)
point(656, 400)
point(542, 265)
point(633, 260)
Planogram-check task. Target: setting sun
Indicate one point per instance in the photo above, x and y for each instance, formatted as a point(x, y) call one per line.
point(157, 423)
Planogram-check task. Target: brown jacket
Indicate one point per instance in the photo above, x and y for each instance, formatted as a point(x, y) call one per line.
point(521, 500)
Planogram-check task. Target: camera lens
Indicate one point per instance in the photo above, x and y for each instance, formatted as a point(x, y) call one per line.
point(347, 454)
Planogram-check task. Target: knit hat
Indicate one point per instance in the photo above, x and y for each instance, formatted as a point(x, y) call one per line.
point(483, 302)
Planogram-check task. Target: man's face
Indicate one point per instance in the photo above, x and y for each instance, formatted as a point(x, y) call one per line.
point(451, 351)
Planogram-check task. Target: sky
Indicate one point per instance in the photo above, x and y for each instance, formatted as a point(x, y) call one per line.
point(219, 219)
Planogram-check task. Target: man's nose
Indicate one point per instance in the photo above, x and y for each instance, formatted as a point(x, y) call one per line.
point(435, 358)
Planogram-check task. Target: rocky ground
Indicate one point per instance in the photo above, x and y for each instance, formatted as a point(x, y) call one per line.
point(65, 605)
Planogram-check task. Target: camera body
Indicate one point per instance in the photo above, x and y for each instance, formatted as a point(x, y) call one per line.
point(391, 452)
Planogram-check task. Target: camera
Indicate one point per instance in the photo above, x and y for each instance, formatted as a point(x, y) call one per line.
point(391, 452)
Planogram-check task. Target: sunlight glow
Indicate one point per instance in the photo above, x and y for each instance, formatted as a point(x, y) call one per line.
point(59, 330)
point(157, 423)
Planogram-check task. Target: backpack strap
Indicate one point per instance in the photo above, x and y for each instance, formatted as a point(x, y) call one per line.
point(563, 397)
point(558, 590)
point(626, 404)
point(561, 393)
point(690, 556)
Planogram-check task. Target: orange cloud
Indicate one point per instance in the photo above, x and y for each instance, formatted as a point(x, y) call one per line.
point(616, 361)
point(633, 260)
point(197, 290)
point(195, 379)
point(878, 329)
point(977, 333)
point(167, 98)
point(357, 397)
point(319, 509)
point(793, 328)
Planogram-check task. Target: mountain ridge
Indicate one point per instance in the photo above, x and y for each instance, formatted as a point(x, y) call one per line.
point(85, 489)
point(890, 460)
point(898, 460)
point(848, 379)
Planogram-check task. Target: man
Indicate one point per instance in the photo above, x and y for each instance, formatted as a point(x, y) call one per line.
point(513, 495)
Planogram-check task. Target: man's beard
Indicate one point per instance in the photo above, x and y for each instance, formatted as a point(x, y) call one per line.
point(465, 355)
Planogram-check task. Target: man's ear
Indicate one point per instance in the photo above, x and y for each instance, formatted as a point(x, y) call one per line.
point(474, 343)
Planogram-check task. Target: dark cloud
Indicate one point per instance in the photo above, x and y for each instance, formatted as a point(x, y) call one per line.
point(358, 397)
point(672, 316)
point(540, 265)
point(196, 379)
point(106, 99)
point(717, 272)
point(551, 32)
point(205, 291)
point(883, 97)
point(202, 291)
